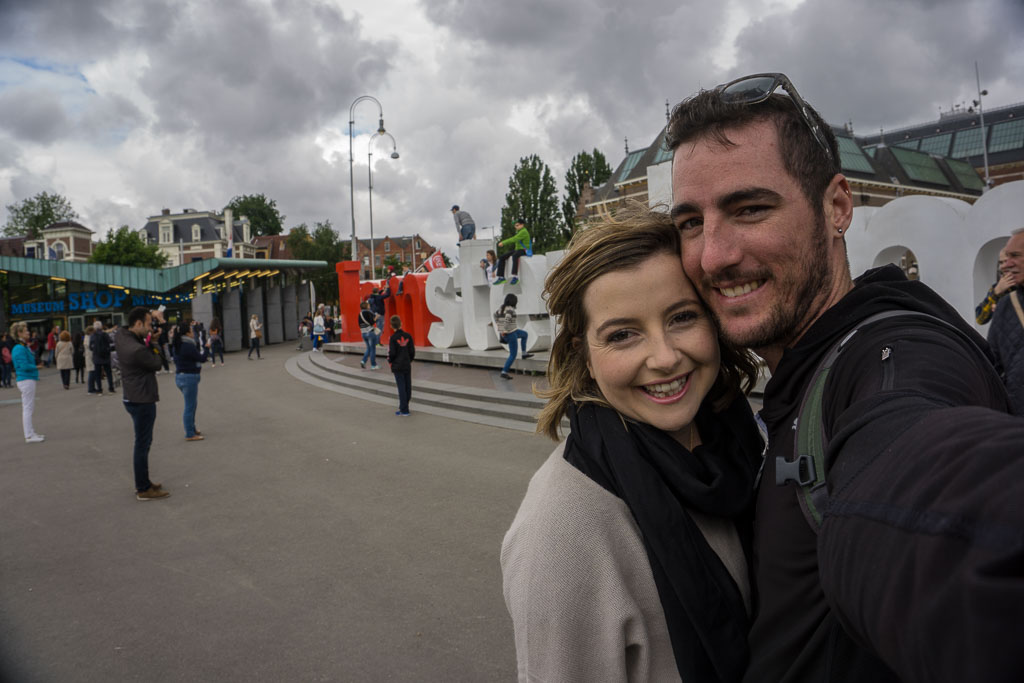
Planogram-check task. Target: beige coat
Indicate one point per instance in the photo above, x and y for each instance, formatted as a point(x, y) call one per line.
point(579, 586)
point(65, 359)
point(89, 365)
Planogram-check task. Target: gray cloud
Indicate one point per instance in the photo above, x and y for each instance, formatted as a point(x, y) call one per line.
point(32, 114)
point(231, 97)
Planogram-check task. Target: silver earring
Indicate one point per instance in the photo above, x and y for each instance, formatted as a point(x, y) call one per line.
point(840, 231)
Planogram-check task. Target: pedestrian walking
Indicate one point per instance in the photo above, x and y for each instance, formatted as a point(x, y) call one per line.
point(255, 334)
point(78, 356)
point(6, 360)
point(90, 367)
point(401, 352)
point(508, 329)
point(64, 355)
point(51, 346)
point(27, 371)
point(139, 361)
point(189, 356)
point(101, 346)
point(367, 326)
point(216, 342)
point(319, 329)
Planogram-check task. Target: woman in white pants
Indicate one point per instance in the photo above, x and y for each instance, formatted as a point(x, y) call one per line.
point(28, 376)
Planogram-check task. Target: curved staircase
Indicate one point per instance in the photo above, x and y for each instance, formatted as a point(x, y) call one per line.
point(508, 409)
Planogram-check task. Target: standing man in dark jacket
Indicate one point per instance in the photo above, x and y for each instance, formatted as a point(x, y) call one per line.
point(139, 362)
point(1007, 332)
point(914, 572)
point(401, 352)
point(99, 342)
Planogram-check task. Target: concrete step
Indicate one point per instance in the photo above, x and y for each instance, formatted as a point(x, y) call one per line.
point(383, 377)
point(479, 406)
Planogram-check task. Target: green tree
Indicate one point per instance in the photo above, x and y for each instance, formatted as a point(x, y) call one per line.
point(264, 218)
point(533, 197)
point(586, 168)
point(322, 244)
point(124, 247)
point(29, 216)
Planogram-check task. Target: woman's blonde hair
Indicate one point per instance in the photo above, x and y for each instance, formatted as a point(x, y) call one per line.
point(16, 329)
point(620, 242)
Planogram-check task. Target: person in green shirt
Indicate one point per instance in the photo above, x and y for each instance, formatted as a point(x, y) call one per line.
point(523, 246)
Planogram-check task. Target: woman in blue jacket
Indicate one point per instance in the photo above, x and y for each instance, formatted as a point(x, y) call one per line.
point(28, 376)
point(189, 357)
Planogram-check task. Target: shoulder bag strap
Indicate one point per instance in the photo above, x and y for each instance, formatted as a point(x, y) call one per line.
point(1016, 306)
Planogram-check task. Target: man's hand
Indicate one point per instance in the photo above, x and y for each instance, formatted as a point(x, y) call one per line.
point(157, 316)
point(1005, 282)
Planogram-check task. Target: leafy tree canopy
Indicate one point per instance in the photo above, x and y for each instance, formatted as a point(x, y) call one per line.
point(586, 167)
point(533, 197)
point(322, 244)
point(264, 218)
point(29, 216)
point(124, 247)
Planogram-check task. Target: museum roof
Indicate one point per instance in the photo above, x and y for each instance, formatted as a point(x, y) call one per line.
point(152, 279)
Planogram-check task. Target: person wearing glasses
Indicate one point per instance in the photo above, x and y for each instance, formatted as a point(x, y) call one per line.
point(898, 557)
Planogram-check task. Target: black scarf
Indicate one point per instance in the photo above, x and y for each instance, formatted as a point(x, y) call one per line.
point(658, 479)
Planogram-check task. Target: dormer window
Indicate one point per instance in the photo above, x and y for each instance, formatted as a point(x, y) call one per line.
point(387, 247)
point(58, 249)
point(196, 233)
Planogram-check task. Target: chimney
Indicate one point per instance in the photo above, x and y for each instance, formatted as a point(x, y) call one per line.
point(228, 224)
point(165, 212)
point(246, 236)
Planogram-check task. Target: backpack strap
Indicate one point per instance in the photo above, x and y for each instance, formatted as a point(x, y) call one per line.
point(808, 468)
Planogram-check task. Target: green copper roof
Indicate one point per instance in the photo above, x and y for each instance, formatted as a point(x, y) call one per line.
point(145, 279)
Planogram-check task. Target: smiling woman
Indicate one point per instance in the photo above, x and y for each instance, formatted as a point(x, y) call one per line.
point(627, 558)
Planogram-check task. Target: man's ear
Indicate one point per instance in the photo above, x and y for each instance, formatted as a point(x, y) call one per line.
point(838, 205)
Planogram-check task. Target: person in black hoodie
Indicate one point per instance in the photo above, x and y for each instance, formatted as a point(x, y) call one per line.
point(401, 352)
point(916, 572)
point(100, 345)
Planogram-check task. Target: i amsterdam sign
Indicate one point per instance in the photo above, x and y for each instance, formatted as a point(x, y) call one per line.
point(91, 301)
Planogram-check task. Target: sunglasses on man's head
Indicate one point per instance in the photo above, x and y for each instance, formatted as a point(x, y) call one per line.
point(757, 88)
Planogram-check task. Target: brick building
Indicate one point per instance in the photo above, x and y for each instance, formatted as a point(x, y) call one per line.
point(411, 250)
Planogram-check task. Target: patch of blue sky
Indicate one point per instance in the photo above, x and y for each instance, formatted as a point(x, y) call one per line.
point(20, 71)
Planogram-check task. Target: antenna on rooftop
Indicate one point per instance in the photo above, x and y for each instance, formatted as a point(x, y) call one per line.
point(668, 113)
point(627, 145)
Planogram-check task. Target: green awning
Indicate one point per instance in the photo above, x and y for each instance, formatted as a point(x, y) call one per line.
point(146, 279)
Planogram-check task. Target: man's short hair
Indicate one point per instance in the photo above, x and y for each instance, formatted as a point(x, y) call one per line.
point(396, 322)
point(455, 207)
point(136, 314)
point(705, 115)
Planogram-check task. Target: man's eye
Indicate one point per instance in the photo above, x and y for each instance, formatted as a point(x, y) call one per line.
point(690, 224)
point(752, 210)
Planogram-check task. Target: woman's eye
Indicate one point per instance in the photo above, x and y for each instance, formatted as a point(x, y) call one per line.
point(684, 317)
point(619, 336)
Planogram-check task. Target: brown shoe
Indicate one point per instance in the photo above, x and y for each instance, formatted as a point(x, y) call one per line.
point(197, 437)
point(151, 494)
point(156, 487)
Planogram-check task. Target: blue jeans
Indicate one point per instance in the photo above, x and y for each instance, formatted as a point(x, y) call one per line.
point(404, 381)
point(510, 339)
point(188, 382)
point(217, 349)
point(254, 345)
point(370, 338)
point(100, 369)
point(468, 231)
point(143, 415)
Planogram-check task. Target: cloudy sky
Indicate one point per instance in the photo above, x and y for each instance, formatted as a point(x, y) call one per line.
point(129, 106)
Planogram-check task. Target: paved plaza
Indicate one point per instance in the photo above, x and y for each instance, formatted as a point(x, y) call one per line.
point(310, 537)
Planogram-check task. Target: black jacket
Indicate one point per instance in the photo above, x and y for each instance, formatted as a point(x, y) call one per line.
point(189, 356)
point(377, 300)
point(401, 351)
point(915, 574)
point(138, 363)
point(99, 344)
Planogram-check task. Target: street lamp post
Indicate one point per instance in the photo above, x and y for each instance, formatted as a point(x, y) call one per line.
point(351, 159)
point(369, 177)
point(981, 115)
